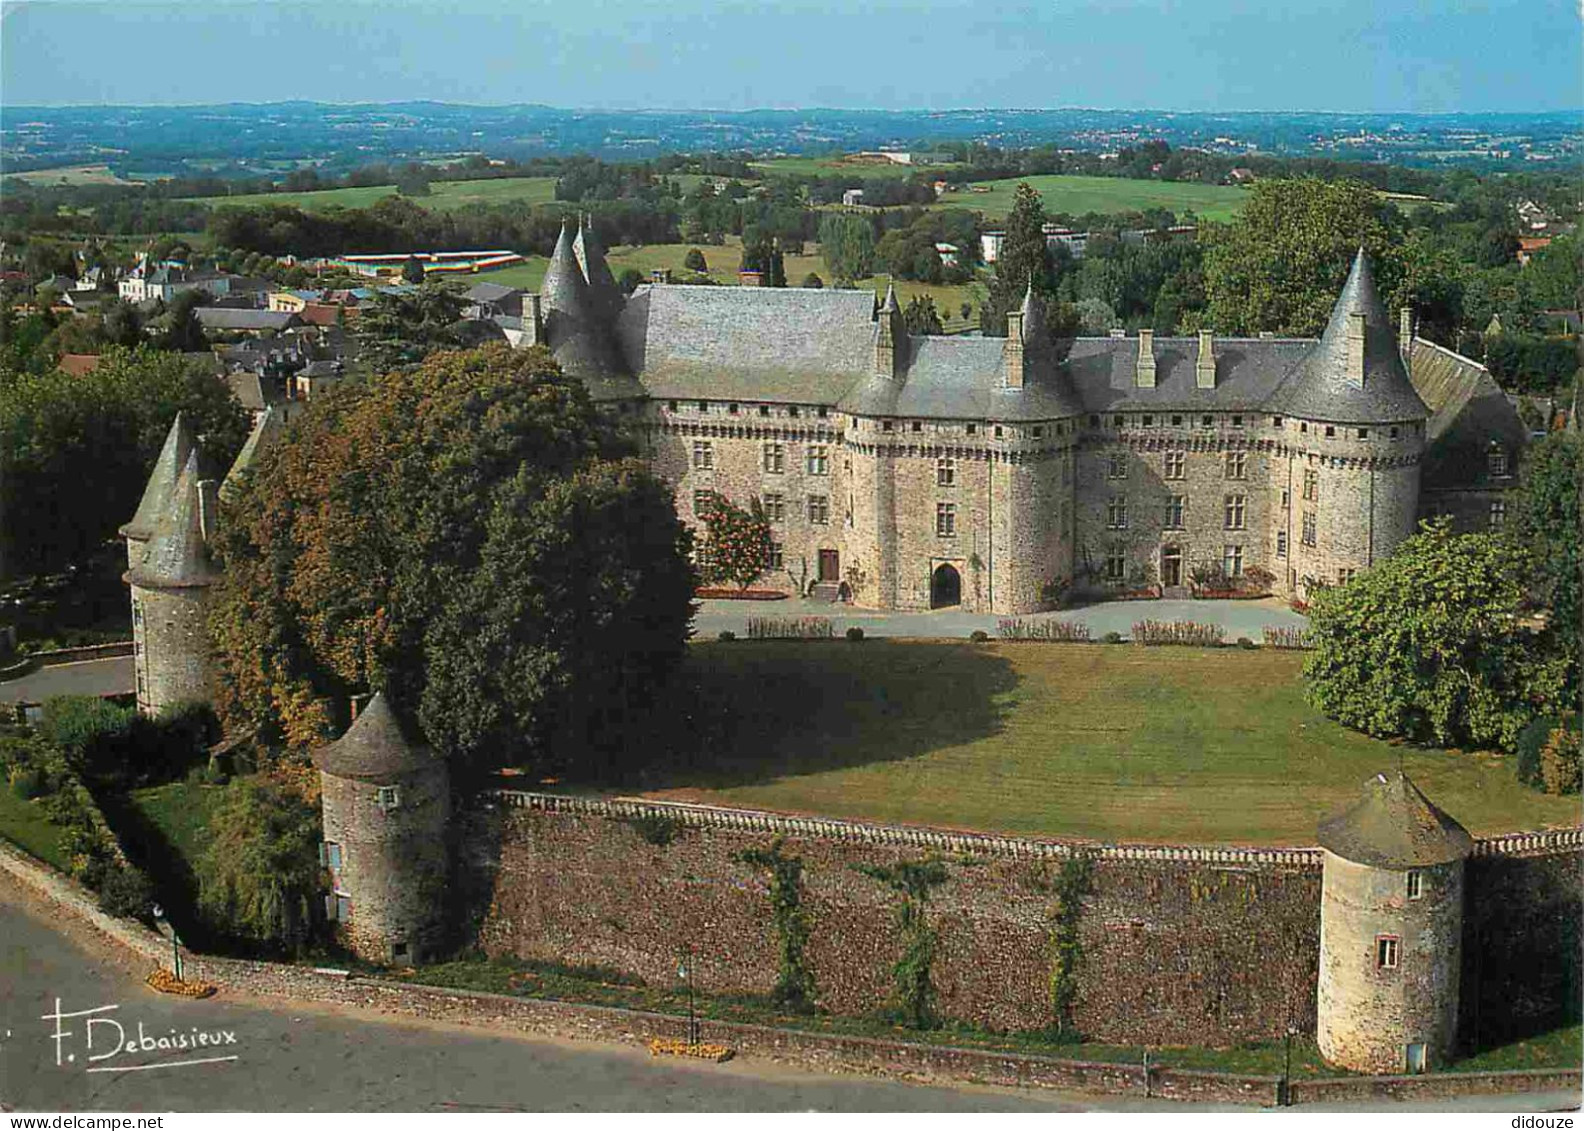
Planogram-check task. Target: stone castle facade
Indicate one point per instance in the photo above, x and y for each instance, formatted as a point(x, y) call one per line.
point(998, 474)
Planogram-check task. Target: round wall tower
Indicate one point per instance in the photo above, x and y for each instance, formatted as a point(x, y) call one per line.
point(170, 599)
point(386, 803)
point(1391, 930)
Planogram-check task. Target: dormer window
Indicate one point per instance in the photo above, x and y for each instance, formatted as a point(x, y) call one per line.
point(1094, 421)
point(671, 406)
point(1148, 421)
point(389, 797)
point(1497, 458)
point(703, 406)
point(1276, 422)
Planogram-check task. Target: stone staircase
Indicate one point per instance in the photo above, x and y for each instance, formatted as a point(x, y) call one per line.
point(826, 592)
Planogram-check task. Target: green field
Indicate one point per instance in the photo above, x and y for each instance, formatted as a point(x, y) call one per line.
point(24, 824)
point(443, 195)
point(1122, 743)
point(180, 811)
point(1077, 195)
point(74, 175)
point(838, 166)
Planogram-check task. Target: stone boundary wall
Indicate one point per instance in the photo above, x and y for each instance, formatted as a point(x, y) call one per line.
point(56, 656)
point(1547, 843)
point(816, 1051)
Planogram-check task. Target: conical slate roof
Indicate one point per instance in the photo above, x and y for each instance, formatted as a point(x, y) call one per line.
point(889, 306)
point(265, 432)
point(1395, 826)
point(578, 333)
point(178, 556)
point(596, 272)
point(564, 289)
point(373, 747)
point(1033, 317)
point(1318, 387)
point(162, 480)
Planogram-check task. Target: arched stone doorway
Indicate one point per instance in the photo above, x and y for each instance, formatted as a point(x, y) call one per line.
point(945, 587)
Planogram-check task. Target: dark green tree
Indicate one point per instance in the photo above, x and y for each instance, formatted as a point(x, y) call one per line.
point(1429, 644)
point(396, 330)
point(413, 271)
point(1548, 525)
point(179, 329)
point(921, 317)
point(847, 243)
point(1023, 260)
point(694, 260)
point(259, 878)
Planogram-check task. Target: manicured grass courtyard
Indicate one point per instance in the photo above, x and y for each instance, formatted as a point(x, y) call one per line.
point(180, 812)
point(24, 824)
point(1110, 742)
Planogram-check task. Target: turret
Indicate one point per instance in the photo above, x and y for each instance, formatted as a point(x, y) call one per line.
point(890, 338)
point(577, 329)
point(386, 804)
point(1391, 931)
point(266, 431)
point(161, 485)
point(170, 598)
point(590, 255)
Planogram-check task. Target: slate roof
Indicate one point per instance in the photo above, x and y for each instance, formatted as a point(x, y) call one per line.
point(229, 318)
point(1103, 372)
point(253, 392)
point(266, 430)
point(1318, 388)
point(1468, 412)
point(1395, 826)
point(178, 555)
point(374, 747)
point(961, 379)
point(161, 484)
point(787, 345)
point(489, 292)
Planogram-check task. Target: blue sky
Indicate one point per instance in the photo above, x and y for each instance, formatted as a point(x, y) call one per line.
point(1340, 55)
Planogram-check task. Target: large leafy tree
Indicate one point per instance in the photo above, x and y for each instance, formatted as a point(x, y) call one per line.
point(1429, 644)
point(1281, 263)
point(75, 452)
point(472, 537)
point(1023, 260)
point(847, 241)
point(259, 878)
point(402, 329)
point(1548, 523)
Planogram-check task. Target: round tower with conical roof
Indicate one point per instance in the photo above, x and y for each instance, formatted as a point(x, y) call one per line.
point(1391, 931)
point(161, 486)
point(1347, 437)
point(170, 594)
point(386, 802)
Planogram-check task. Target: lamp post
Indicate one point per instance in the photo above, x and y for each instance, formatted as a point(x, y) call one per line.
point(169, 931)
point(685, 971)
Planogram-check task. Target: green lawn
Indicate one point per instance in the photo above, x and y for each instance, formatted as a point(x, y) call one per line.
point(443, 195)
point(1125, 743)
point(1077, 195)
point(180, 811)
point(23, 823)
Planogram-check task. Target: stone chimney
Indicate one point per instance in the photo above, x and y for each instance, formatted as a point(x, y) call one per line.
point(1405, 333)
point(533, 320)
point(890, 337)
point(1012, 352)
point(1144, 376)
point(208, 508)
point(1355, 348)
point(1205, 367)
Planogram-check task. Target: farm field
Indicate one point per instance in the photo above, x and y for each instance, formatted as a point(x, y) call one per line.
point(832, 166)
point(1077, 195)
point(443, 195)
point(1114, 743)
point(74, 175)
point(722, 262)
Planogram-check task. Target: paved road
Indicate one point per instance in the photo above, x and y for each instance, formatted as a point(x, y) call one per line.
point(114, 676)
point(1239, 618)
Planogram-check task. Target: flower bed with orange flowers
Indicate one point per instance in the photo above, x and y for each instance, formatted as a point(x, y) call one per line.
point(675, 1046)
point(167, 983)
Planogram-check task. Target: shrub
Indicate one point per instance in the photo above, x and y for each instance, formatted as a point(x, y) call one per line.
point(791, 628)
point(259, 878)
point(1259, 578)
point(1284, 636)
point(1178, 632)
point(1245, 642)
point(1559, 761)
point(1112, 638)
point(1050, 630)
point(979, 636)
point(127, 892)
point(727, 635)
point(1531, 740)
point(855, 634)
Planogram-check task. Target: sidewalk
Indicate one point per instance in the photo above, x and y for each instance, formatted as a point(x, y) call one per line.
point(1239, 618)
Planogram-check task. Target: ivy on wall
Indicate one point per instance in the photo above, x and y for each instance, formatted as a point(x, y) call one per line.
point(794, 988)
point(914, 994)
point(1073, 885)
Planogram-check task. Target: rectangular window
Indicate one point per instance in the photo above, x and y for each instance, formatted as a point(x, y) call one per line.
point(819, 509)
point(1175, 505)
point(822, 412)
point(973, 429)
point(1276, 422)
point(775, 507)
point(1176, 465)
point(1415, 884)
point(1308, 529)
point(1237, 465)
point(1330, 431)
point(1176, 422)
point(701, 503)
point(731, 408)
point(1116, 465)
point(792, 410)
point(1149, 420)
point(775, 458)
point(818, 460)
point(1207, 421)
point(945, 519)
point(1116, 564)
point(764, 410)
point(777, 557)
point(945, 471)
point(1116, 421)
point(703, 406)
point(671, 406)
point(1281, 543)
point(1237, 421)
point(917, 427)
point(1311, 485)
point(887, 425)
point(1286, 497)
point(1345, 575)
point(1498, 514)
point(1498, 461)
point(330, 855)
point(1039, 431)
point(1116, 512)
point(389, 797)
point(1232, 561)
point(1386, 951)
point(997, 432)
point(1235, 507)
point(1363, 433)
point(703, 455)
